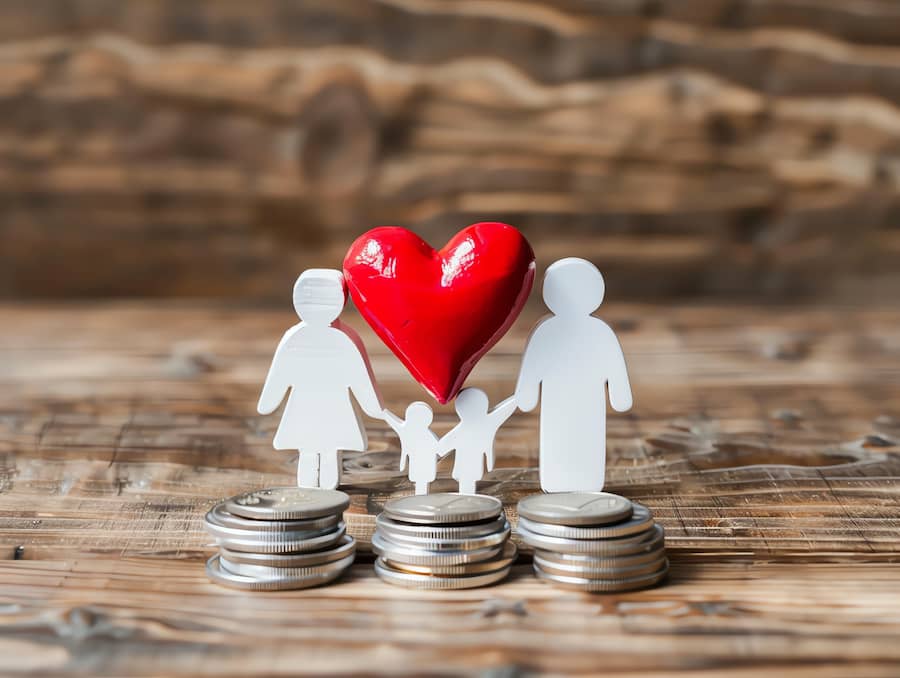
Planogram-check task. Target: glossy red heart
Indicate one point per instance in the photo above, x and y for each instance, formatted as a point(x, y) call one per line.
point(440, 311)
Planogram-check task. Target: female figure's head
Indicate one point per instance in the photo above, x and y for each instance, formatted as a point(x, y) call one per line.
point(319, 296)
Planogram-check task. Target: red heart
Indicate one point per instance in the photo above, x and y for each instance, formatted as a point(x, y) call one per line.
point(440, 311)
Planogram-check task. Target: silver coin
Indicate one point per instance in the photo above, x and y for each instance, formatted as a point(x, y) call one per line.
point(603, 585)
point(569, 570)
point(657, 550)
point(431, 582)
point(472, 544)
point(640, 521)
point(266, 572)
point(576, 508)
point(345, 546)
point(288, 503)
point(237, 581)
point(504, 559)
point(220, 531)
point(443, 508)
point(636, 543)
point(414, 556)
point(218, 515)
point(437, 532)
point(283, 545)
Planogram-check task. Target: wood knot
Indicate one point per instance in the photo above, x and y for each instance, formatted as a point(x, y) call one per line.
point(877, 440)
point(496, 606)
point(189, 359)
point(380, 468)
point(788, 417)
point(788, 348)
point(340, 139)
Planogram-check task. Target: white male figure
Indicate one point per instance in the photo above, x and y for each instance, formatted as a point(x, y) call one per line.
point(473, 437)
point(418, 444)
point(569, 360)
point(321, 361)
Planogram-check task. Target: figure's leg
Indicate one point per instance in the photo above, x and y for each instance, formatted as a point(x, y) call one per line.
point(329, 469)
point(601, 471)
point(308, 469)
point(421, 487)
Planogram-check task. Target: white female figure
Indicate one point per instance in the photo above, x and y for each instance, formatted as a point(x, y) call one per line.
point(418, 444)
point(570, 359)
point(321, 361)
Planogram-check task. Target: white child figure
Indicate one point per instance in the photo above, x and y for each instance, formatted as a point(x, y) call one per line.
point(570, 359)
point(418, 444)
point(473, 437)
point(321, 361)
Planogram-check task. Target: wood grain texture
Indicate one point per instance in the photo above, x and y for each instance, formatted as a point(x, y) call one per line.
point(764, 440)
point(215, 148)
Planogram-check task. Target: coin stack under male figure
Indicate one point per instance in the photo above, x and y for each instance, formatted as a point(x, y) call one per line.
point(443, 541)
point(593, 541)
point(280, 538)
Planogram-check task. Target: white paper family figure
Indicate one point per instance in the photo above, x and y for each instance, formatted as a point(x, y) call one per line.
point(473, 437)
point(418, 444)
point(321, 361)
point(570, 359)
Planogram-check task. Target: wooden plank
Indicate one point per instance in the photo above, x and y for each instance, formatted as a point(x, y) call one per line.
point(126, 617)
point(700, 148)
point(773, 440)
point(764, 440)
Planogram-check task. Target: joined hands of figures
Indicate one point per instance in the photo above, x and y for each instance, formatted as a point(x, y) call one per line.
point(472, 438)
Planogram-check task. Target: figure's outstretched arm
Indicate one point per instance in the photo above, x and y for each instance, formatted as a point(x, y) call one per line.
point(277, 381)
point(619, 387)
point(497, 417)
point(503, 411)
point(391, 419)
point(361, 378)
point(528, 386)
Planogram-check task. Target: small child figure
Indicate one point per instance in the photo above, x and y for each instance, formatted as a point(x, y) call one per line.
point(418, 443)
point(473, 437)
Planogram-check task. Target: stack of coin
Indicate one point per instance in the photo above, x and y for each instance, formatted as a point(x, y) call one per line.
point(443, 541)
point(280, 538)
point(593, 541)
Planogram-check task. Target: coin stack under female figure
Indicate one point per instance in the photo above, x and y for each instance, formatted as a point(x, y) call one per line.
point(280, 538)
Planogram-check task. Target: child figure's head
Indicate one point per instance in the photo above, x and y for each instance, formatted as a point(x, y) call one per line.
point(471, 402)
point(419, 414)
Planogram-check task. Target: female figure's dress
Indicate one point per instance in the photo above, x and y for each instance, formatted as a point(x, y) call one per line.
point(320, 365)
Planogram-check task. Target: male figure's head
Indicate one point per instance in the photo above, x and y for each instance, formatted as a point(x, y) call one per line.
point(573, 287)
point(319, 296)
point(419, 414)
point(471, 403)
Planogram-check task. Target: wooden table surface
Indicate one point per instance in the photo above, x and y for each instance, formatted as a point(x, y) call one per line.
point(764, 440)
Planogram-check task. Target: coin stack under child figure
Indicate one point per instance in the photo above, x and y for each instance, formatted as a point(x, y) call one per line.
point(443, 541)
point(467, 296)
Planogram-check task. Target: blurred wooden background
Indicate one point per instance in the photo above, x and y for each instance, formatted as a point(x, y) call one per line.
point(692, 148)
